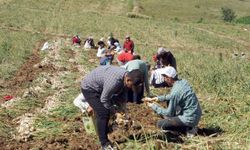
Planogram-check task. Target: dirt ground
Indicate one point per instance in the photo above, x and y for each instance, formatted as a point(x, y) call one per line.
point(24, 75)
point(139, 125)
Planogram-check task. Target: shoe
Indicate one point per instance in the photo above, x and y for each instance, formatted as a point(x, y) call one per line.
point(192, 132)
point(109, 147)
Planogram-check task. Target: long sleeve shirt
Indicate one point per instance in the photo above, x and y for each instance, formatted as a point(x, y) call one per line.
point(183, 97)
point(142, 66)
point(129, 45)
point(106, 81)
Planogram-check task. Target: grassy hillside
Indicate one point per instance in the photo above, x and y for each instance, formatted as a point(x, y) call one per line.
point(193, 10)
point(203, 49)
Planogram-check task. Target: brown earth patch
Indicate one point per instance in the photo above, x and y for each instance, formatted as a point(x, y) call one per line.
point(24, 75)
point(141, 123)
point(74, 138)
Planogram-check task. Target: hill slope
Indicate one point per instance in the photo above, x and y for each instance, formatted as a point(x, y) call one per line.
point(44, 84)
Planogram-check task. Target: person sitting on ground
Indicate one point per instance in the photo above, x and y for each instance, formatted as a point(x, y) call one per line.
point(101, 50)
point(118, 48)
point(128, 44)
point(76, 40)
point(156, 79)
point(136, 97)
point(183, 109)
point(103, 88)
point(108, 58)
point(124, 57)
point(89, 43)
point(164, 58)
point(101, 41)
point(111, 41)
point(82, 104)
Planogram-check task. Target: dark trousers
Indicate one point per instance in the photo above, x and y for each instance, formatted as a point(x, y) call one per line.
point(102, 114)
point(172, 123)
point(136, 97)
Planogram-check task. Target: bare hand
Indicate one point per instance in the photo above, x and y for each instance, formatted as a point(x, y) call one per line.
point(148, 99)
point(90, 110)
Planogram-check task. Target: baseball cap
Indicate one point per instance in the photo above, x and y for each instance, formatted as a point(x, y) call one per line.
point(168, 71)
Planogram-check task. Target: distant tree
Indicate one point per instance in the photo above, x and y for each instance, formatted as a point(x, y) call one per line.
point(228, 14)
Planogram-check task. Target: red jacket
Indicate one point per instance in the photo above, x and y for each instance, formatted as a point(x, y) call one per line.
point(125, 57)
point(76, 40)
point(129, 45)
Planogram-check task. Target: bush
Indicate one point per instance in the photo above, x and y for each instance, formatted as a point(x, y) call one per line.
point(228, 14)
point(200, 20)
point(244, 20)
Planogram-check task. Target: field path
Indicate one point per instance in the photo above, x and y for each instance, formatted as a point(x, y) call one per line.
point(243, 42)
point(23, 126)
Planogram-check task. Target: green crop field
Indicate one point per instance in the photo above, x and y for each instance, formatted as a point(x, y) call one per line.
point(202, 42)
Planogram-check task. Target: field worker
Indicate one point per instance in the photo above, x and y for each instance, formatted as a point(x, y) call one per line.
point(105, 86)
point(76, 40)
point(124, 57)
point(156, 79)
point(118, 48)
point(164, 58)
point(128, 44)
point(101, 49)
point(107, 59)
point(183, 111)
point(143, 67)
point(82, 104)
point(111, 41)
point(89, 43)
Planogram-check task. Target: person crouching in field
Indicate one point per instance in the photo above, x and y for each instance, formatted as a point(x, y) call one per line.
point(124, 57)
point(136, 97)
point(128, 44)
point(105, 86)
point(183, 111)
point(163, 58)
point(101, 49)
point(107, 59)
point(89, 43)
point(76, 40)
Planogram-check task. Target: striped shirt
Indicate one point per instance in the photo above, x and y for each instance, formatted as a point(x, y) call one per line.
point(106, 81)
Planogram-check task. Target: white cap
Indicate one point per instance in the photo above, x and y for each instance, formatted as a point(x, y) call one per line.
point(168, 71)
